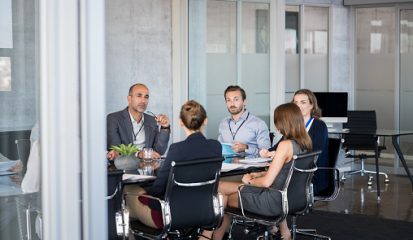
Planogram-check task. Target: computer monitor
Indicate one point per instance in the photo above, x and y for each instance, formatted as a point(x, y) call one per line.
point(333, 106)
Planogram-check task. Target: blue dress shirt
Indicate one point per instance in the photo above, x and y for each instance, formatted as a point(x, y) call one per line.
point(249, 130)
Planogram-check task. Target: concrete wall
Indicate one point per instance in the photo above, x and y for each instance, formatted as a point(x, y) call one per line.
point(139, 49)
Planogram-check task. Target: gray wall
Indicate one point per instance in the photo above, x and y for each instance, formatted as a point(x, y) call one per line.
point(139, 49)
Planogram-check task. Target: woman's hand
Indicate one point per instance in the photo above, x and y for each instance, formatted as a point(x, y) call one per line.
point(265, 153)
point(246, 179)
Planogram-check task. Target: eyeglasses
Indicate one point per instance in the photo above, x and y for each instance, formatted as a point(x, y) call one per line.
point(152, 114)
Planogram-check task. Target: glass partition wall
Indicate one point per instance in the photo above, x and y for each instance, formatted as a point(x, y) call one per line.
point(383, 73)
point(406, 80)
point(20, 204)
point(306, 49)
point(229, 45)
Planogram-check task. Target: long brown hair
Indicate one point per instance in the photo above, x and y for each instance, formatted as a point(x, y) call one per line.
point(316, 111)
point(290, 122)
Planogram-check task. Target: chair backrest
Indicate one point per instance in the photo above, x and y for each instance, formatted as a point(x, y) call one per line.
point(363, 122)
point(330, 192)
point(192, 193)
point(23, 150)
point(299, 190)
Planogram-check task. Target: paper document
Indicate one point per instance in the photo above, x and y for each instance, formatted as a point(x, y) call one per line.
point(255, 160)
point(136, 177)
point(226, 167)
point(5, 166)
point(3, 173)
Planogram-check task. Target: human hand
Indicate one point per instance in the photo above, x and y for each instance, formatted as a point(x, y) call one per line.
point(162, 120)
point(111, 155)
point(17, 167)
point(246, 179)
point(239, 147)
point(265, 153)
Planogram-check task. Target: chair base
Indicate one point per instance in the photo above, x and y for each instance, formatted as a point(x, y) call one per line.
point(362, 172)
point(309, 233)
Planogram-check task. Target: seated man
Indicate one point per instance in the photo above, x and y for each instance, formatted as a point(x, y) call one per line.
point(246, 132)
point(132, 125)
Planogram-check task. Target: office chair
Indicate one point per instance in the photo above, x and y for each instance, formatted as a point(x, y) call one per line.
point(303, 164)
point(23, 151)
point(363, 125)
point(300, 196)
point(329, 193)
point(191, 202)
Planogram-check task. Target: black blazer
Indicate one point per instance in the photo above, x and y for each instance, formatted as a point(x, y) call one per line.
point(119, 130)
point(195, 146)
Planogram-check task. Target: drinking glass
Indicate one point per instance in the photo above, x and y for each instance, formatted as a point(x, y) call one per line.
point(147, 161)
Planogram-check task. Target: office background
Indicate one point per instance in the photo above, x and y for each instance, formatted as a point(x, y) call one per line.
point(69, 64)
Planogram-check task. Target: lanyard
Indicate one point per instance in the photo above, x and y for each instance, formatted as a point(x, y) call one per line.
point(308, 122)
point(133, 132)
point(229, 125)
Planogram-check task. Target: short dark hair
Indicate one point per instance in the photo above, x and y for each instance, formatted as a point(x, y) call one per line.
point(135, 85)
point(233, 88)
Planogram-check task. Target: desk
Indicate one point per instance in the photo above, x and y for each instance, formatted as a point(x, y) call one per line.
point(395, 135)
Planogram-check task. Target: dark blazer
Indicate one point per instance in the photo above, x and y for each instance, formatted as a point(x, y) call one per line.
point(195, 146)
point(119, 130)
point(319, 136)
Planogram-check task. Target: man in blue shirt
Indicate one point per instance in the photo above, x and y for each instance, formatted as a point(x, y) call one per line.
point(246, 132)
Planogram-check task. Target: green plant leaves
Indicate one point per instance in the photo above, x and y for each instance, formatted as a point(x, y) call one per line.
point(123, 149)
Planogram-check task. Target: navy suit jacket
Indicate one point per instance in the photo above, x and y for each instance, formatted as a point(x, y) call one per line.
point(319, 136)
point(119, 130)
point(195, 146)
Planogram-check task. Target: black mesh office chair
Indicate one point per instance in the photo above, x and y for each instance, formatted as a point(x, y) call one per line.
point(23, 151)
point(363, 125)
point(329, 193)
point(300, 196)
point(191, 201)
point(304, 164)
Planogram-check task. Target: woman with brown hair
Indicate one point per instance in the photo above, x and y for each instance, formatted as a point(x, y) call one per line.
point(289, 121)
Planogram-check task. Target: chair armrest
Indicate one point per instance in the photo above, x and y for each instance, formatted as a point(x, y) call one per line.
point(165, 208)
point(336, 185)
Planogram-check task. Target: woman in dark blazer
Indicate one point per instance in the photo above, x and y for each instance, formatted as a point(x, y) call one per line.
point(193, 119)
point(317, 129)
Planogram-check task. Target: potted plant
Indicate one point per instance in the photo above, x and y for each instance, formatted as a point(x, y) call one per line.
point(126, 156)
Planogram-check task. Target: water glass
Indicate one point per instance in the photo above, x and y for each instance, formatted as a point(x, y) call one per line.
point(147, 161)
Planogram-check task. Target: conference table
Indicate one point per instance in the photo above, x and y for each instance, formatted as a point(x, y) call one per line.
point(395, 136)
point(116, 180)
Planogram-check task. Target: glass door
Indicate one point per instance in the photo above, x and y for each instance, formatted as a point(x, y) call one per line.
point(406, 81)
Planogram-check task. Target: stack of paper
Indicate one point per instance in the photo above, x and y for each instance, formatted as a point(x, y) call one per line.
point(137, 178)
point(6, 166)
point(255, 160)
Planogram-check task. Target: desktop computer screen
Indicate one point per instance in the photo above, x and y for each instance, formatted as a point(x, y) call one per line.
point(333, 106)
